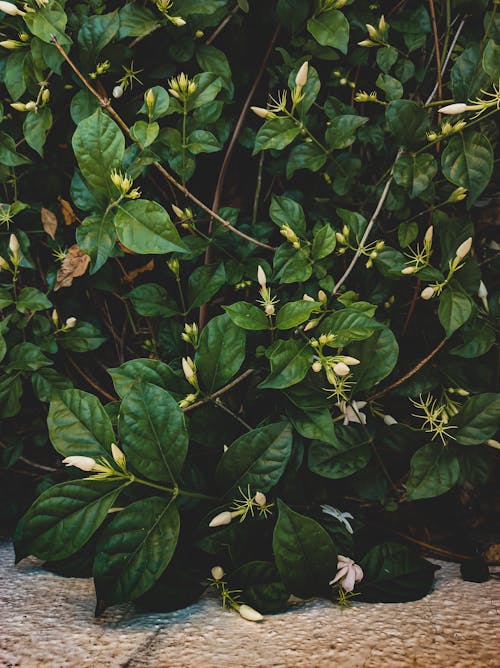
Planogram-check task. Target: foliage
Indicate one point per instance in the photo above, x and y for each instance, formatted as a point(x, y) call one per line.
point(341, 282)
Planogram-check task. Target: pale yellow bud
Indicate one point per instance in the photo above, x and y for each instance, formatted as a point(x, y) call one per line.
point(350, 361)
point(261, 277)
point(493, 444)
point(307, 298)
point(464, 248)
point(269, 309)
point(118, 456)
point(301, 78)
point(249, 613)
point(117, 92)
point(260, 499)
point(221, 519)
point(18, 106)
point(372, 31)
point(428, 236)
point(427, 293)
point(341, 369)
point(55, 317)
point(3, 263)
point(408, 270)
point(458, 108)
point(177, 21)
point(316, 366)
point(11, 9)
point(70, 323)
point(322, 297)
point(217, 573)
point(14, 245)
point(31, 106)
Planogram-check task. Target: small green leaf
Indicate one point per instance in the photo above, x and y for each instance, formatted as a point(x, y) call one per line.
point(286, 211)
point(434, 469)
point(290, 361)
point(276, 133)
point(342, 130)
point(31, 299)
point(415, 172)
point(304, 553)
point(477, 420)
point(342, 457)
point(135, 549)
point(150, 371)
point(145, 227)
point(153, 432)
point(455, 308)
point(83, 337)
point(407, 120)
point(257, 458)
point(293, 314)
point(467, 161)
point(144, 133)
point(96, 237)
point(247, 316)
point(324, 242)
point(151, 299)
point(330, 29)
point(220, 353)
point(36, 127)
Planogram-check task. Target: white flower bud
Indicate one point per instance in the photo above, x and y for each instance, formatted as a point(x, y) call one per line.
point(316, 366)
point(14, 245)
point(262, 113)
point(249, 613)
point(322, 296)
point(260, 499)
point(350, 361)
point(177, 21)
point(81, 462)
point(261, 277)
point(217, 572)
point(457, 108)
point(55, 317)
point(70, 323)
point(464, 248)
point(117, 91)
point(11, 9)
point(408, 270)
point(18, 106)
point(269, 309)
point(301, 78)
point(372, 31)
point(428, 236)
point(493, 444)
point(222, 518)
point(178, 211)
point(307, 298)
point(118, 455)
point(3, 263)
point(389, 420)
point(187, 367)
point(341, 369)
point(427, 293)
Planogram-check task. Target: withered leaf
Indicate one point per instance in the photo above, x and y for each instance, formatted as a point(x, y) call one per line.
point(67, 211)
point(74, 264)
point(49, 222)
point(132, 275)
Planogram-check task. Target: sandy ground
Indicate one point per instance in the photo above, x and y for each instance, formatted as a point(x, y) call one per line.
point(48, 621)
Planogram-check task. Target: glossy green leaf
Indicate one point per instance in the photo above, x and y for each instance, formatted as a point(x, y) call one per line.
point(248, 316)
point(153, 432)
point(434, 469)
point(330, 29)
point(415, 172)
point(455, 308)
point(276, 133)
point(339, 458)
point(152, 299)
point(220, 353)
point(149, 371)
point(64, 517)
point(286, 211)
point(478, 419)
point(305, 554)
point(79, 425)
point(407, 121)
point(467, 161)
point(290, 361)
point(144, 226)
point(257, 458)
point(261, 586)
point(96, 237)
point(341, 132)
point(135, 549)
point(294, 313)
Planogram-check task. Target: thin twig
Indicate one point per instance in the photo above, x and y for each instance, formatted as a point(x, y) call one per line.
point(410, 373)
point(357, 254)
point(446, 60)
point(35, 465)
point(89, 380)
point(220, 392)
point(106, 105)
point(223, 24)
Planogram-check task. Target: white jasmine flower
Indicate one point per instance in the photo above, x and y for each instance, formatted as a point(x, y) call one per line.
point(352, 412)
point(482, 293)
point(14, 245)
point(427, 293)
point(222, 518)
point(464, 248)
point(348, 573)
point(249, 613)
point(458, 108)
point(70, 323)
point(301, 78)
point(117, 91)
point(217, 572)
point(81, 462)
point(339, 515)
point(261, 277)
point(11, 9)
point(389, 420)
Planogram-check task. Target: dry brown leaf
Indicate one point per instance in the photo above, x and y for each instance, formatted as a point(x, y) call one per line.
point(67, 211)
point(49, 222)
point(74, 264)
point(125, 249)
point(132, 275)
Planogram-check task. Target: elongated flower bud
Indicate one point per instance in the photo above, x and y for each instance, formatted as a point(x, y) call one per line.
point(261, 277)
point(11, 9)
point(464, 248)
point(458, 108)
point(118, 456)
point(316, 366)
point(217, 572)
point(18, 106)
point(301, 78)
point(222, 518)
point(389, 420)
point(250, 613)
point(493, 444)
point(350, 361)
point(81, 462)
point(427, 293)
point(177, 21)
point(428, 236)
point(14, 245)
point(408, 270)
point(262, 113)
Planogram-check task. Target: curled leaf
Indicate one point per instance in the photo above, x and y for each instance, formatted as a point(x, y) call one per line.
point(74, 264)
point(49, 222)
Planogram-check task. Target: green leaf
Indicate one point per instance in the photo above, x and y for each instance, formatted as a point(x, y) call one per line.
point(478, 339)
point(79, 425)
point(467, 161)
point(96, 236)
point(455, 308)
point(407, 121)
point(348, 453)
point(407, 233)
point(415, 172)
point(291, 265)
point(204, 282)
point(27, 357)
point(491, 60)
point(349, 325)
point(48, 20)
point(378, 355)
point(477, 420)
point(31, 299)
point(144, 133)
point(64, 517)
point(149, 371)
point(151, 299)
point(324, 242)
point(310, 414)
point(434, 469)
point(341, 132)
point(160, 105)
point(290, 361)
point(330, 29)
point(294, 313)
point(135, 549)
point(220, 353)
point(261, 586)
point(11, 390)
point(392, 88)
point(304, 553)
point(153, 432)
point(203, 141)
point(394, 573)
point(258, 458)
point(247, 316)
point(144, 226)
point(96, 32)
point(36, 127)
point(276, 133)
point(305, 156)
point(47, 383)
point(82, 338)
point(9, 157)
point(286, 211)
point(99, 146)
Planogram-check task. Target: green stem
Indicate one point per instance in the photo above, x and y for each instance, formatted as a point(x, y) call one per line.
point(184, 118)
point(181, 296)
point(175, 491)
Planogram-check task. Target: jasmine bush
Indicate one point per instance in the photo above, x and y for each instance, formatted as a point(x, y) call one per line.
point(250, 360)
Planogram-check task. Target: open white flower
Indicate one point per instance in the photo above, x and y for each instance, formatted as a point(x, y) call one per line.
point(81, 462)
point(348, 573)
point(342, 517)
point(352, 412)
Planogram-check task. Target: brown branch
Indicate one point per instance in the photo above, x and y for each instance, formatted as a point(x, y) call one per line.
point(29, 462)
point(410, 373)
point(438, 57)
point(220, 392)
point(105, 103)
point(413, 303)
point(89, 380)
point(223, 24)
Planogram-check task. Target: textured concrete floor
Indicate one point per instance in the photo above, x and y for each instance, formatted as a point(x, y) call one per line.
point(48, 621)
